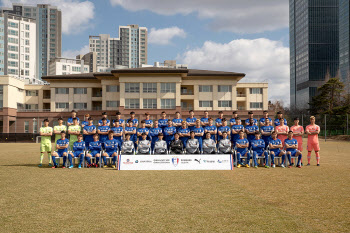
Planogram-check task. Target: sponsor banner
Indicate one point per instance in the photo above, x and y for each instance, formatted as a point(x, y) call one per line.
point(175, 162)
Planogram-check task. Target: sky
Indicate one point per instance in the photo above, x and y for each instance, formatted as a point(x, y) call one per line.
point(246, 36)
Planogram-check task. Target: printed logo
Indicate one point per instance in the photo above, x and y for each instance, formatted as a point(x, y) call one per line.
point(175, 161)
point(127, 162)
point(198, 160)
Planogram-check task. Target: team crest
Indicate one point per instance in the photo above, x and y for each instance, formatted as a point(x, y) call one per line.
point(175, 161)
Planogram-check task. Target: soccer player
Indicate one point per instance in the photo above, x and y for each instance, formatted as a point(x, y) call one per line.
point(292, 149)
point(142, 130)
point(209, 144)
point(57, 129)
point(262, 120)
point(118, 133)
point(144, 145)
point(258, 146)
point(177, 121)
point(135, 122)
point(100, 122)
point(298, 132)
point(176, 146)
point(279, 117)
point(154, 132)
point(169, 132)
point(218, 121)
point(191, 121)
point(160, 146)
point(128, 145)
point(78, 151)
point(210, 128)
point(233, 119)
point(118, 118)
point(184, 133)
point(89, 131)
point(111, 146)
point(205, 119)
point(276, 146)
point(70, 119)
point(85, 122)
point(225, 144)
point(236, 128)
point(251, 116)
point(251, 129)
point(103, 131)
point(95, 148)
point(45, 144)
point(61, 146)
point(242, 145)
point(131, 130)
point(266, 131)
point(282, 131)
point(192, 145)
point(223, 128)
point(73, 131)
point(199, 133)
point(312, 132)
point(148, 121)
point(163, 122)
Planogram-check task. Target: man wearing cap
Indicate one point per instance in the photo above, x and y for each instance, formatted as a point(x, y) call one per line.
point(251, 116)
point(70, 119)
point(262, 120)
point(277, 120)
point(104, 115)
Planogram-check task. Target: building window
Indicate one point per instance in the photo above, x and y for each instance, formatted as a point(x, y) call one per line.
point(256, 91)
point(257, 105)
point(224, 88)
point(205, 88)
point(32, 106)
point(27, 65)
point(112, 104)
point(112, 88)
point(205, 104)
point(26, 126)
point(31, 93)
point(64, 67)
point(149, 87)
point(62, 91)
point(81, 106)
point(150, 103)
point(132, 87)
point(62, 105)
point(132, 103)
point(168, 87)
point(35, 126)
point(167, 103)
point(225, 104)
point(27, 34)
point(81, 91)
point(27, 26)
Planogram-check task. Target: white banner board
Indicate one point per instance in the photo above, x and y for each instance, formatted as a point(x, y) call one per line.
point(175, 162)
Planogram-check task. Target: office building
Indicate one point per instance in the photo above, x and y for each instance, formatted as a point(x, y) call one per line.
point(344, 40)
point(63, 66)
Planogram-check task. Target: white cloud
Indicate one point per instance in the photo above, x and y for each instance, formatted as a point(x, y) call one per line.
point(164, 36)
point(239, 16)
point(76, 15)
point(74, 53)
point(262, 60)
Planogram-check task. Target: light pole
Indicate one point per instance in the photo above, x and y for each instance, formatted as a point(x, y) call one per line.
point(34, 125)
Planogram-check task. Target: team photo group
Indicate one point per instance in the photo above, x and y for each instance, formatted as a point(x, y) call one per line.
point(248, 140)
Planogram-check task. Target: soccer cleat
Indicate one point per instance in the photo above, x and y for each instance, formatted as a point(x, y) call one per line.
point(308, 164)
point(298, 166)
point(63, 166)
point(71, 166)
point(105, 166)
point(292, 164)
point(113, 166)
point(267, 166)
point(79, 166)
point(282, 165)
point(54, 166)
point(255, 166)
point(50, 165)
point(302, 164)
point(273, 165)
point(318, 165)
point(96, 165)
point(247, 165)
point(40, 165)
point(239, 165)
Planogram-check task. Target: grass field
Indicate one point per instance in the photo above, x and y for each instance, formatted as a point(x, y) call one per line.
point(310, 199)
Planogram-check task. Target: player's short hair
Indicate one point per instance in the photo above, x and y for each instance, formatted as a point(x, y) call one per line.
point(155, 121)
point(127, 135)
point(146, 113)
point(60, 119)
point(46, 120)
point(177, 112)
point(160, 134)
point(207, 133)
point(296, 118)
point(80, 135)
point(290, 131)
point(104, 113)
point(190, 111)
point(241, 131)
point(143, 121)
point(221, 112)
point(279, 112)
point(224, 132)
point(110, 132)
point(118, 113)
point(63, 132)
point(129, 121)
point(250, 112)
point(87, 115)
point(90, 119)
point(256, 133)
point(75, 119)
point(267, 119)
point(206, 111)
point(191, 132)
point(210, 119)
point(198, 120)
point(223, 119)
point(273, 132)
point(131, 113)
point(177, 134)
point(234, 112)
point(74, 111)
point(96, 135)
point(143, 134)
point(281, 120)
point(265, 111)
point(312, 117)
point(104, 119)
point(163, 112)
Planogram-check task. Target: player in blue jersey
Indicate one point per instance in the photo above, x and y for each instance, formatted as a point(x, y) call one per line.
point(85, 122)
point(104, 115)
point(62, 150)
point(169, 132)
point(233, 119)
point(276, 146)
point(223, 128)
point(258, 147)
point(184, 133)
point(95, 148)
point(177, 121)
point(119, 119)
point(262, 120)
point(291, 145)
point(218, 121)
point(131, 130)
point(89, 131)
point(163, 122)
point(118, 133)
point(148, 121)
point(142, 130)
point(278, 118)
point(78, 151)
point(199, 133)
point(235, 129)
point(251, 116)
point(135, 122)
point(70, 119)
point(266, 131)
point(250, 130)
point(210, 128)
point(242, 145)
point(103, 131)
point(205, 119)
point(191, 121)
point(111, 146)
point(154, 132)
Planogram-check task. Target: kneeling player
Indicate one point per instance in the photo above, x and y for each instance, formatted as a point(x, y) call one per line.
point(160, 146)
point(276, 149)
point(127, 146)
point(209, 144)
point(111, 146)
point(61, 146)
point(144, 146)
point(95, 151)
point(78, 151)
point(258, 146)
point(225, 144)
point(291, 145)
point(242, 145)
point(192, 145)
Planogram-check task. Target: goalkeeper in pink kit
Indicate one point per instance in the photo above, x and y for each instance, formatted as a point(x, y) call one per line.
point(312, 132)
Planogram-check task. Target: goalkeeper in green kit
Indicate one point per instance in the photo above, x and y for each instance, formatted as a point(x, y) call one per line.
point(45, 144)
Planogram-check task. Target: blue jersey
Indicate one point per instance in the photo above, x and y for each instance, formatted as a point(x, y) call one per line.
point(142, 130)
point(232, 121)
point(236, 128)
point(148, 122)
point(100, 122)
point(121, 121)
point(184, 131)
point(111, 145)
point(104, 129)
point(262, 120)
point(219, 122)
point(247, 121)
point(258, 145)
point(70, 120)
point(269, 129)
point(134, 121)
point(61, 142)
point(243, 141)
point(95, 146)
point(176, 121)
point(251, 129)
point(162, 123)
point(205, 120)
point(89, 128)
point(291, 142)
point(153, 132)
point(223, 129)
point(277, 122)
point(78, 146)
point(169, 133)
point(84, 123)
point(191, 120)
point(118, 130)
point(211, 128)
point(199, 130)
point(275, 142)
point(133, 137)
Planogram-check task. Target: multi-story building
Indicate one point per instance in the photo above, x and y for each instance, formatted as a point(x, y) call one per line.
point(17, 45)
point(314, 50)
point(141, 90)
point(48, 32)
point(344, 40)
point(63, 66)
point(129, 50)
point(167, 64)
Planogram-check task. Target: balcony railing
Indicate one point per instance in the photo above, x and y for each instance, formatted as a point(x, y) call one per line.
point(240, 108)
point(97, 108)
point(241, 95)
point(33, 110)
point(46, 97)
point(187, 92)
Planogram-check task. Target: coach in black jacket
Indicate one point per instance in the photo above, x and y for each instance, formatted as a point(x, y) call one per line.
point(176, 146)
